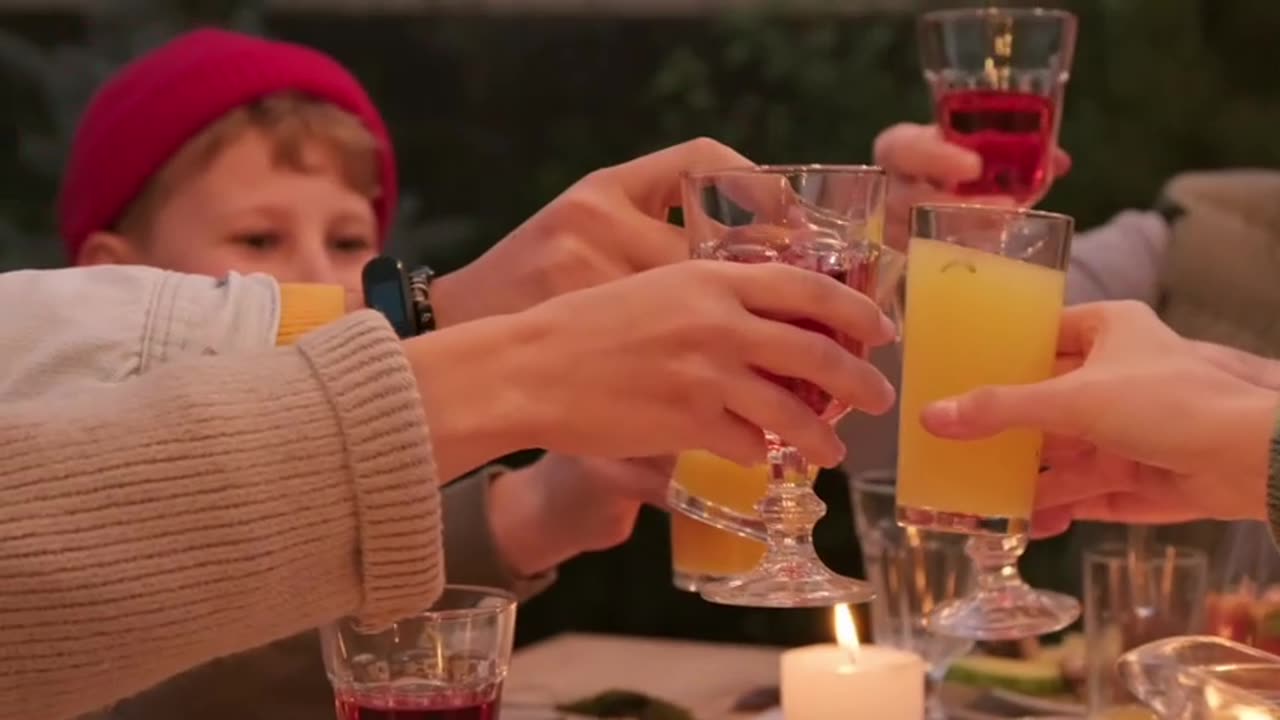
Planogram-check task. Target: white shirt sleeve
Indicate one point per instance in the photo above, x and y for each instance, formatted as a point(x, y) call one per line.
point(1120, 260)
point(108, 323)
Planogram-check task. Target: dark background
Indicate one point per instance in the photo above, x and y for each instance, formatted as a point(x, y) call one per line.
point(493, 114)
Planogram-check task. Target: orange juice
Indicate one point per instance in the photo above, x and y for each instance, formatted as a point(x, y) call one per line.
point(698, 550)
point(973, 318)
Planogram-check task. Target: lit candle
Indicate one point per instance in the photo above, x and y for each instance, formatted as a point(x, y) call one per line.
point(848, 680)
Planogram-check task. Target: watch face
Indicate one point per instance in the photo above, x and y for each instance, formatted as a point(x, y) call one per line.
point(385, 298)
point(386, 290)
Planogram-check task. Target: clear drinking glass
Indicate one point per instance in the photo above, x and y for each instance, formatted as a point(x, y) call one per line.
point(998, 76)
point(984, 295)
point(913, 571)
point(827, 219)
point(1199, 677)
point(1130, 600)
point(447, 662)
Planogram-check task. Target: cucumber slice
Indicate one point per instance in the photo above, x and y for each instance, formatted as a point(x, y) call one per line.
point(1029, 677)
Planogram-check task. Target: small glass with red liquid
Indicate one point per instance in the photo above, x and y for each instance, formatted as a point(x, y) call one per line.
point(446, 663)
point(827, 219)
point(998, 77)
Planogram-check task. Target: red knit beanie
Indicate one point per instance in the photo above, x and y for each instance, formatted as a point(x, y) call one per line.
point(154, 105)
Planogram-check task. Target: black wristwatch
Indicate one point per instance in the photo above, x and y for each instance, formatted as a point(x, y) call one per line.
point(403, 297)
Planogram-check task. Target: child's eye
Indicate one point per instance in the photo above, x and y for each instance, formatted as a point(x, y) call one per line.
point(352, 244)
point(259, 240)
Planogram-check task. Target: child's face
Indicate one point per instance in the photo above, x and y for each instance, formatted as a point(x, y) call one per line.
point(244, 213)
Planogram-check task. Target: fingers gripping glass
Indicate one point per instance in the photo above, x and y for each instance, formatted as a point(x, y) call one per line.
point(827, 219)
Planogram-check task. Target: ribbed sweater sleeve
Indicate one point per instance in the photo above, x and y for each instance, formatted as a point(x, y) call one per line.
point(208, 507)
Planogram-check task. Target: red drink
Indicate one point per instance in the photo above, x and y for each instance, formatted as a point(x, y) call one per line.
point(1246, 616)
point(1012, 131)
point(812, 250)
point(458, 705)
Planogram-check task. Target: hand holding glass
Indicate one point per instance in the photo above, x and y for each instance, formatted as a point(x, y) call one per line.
point(827, 219)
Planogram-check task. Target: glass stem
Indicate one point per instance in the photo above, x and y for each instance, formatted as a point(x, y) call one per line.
point(789, 508)
point(995, 560)
point(933, 707)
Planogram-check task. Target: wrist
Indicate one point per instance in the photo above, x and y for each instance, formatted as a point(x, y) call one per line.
point(525, 529)
point(1254, 447)
point(448, 300)
point(477, 408)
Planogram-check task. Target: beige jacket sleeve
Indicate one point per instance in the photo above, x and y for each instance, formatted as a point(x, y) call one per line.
point(209, 506)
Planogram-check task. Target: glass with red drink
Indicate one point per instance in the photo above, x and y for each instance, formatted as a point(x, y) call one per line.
point(998, 77)
point(447, 663)
point(826, 219)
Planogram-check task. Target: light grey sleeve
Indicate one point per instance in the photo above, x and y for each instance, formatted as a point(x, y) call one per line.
point(109, 323)
point(1120, 260)
point(471, 555)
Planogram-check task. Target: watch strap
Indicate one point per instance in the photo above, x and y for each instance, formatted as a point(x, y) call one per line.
point(420, 292)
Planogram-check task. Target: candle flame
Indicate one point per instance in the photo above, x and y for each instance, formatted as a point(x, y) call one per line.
point(846, 629)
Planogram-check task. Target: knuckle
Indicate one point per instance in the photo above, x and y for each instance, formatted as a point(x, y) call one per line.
point(822, 292)
point(705, 146)
point(572, 264)
point(832, 360)
point(582, 203)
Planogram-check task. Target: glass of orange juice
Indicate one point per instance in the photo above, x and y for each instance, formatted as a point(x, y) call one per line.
point(716, 533)
point(984, 296)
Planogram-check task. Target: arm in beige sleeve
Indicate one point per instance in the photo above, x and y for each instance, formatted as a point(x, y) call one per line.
point(208, 507)
point(1119, 260)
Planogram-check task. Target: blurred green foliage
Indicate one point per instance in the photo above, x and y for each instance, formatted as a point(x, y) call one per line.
point(493, 116)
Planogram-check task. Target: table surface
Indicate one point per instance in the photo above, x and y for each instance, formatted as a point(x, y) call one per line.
point(704, 678)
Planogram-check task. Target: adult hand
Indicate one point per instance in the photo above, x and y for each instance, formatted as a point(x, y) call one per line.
point(610, 224)
point(666, 360)
point(1143, 427)
point(923, 167)
point(561, 506)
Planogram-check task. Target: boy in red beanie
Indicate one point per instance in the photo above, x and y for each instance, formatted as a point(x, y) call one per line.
point(220, 152)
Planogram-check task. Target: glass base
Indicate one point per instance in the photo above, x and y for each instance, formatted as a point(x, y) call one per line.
point(1011, 613)
point(790, 584)
point(965, 523)
point(693, 582)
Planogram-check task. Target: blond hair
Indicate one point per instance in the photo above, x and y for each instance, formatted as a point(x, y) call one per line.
point(291, 122)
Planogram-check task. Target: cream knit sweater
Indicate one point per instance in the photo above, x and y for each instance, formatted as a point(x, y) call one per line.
point(206, 507)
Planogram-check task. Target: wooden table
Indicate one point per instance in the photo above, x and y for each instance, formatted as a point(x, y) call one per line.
point(705, 678)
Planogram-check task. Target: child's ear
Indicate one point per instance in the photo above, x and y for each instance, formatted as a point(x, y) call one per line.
point(107, 248)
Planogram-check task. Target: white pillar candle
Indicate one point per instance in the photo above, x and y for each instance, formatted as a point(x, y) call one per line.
point(844, 681)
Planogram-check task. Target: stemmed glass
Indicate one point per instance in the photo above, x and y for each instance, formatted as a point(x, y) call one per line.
point(998, 77)
point(827, 219)
point(984, 295)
